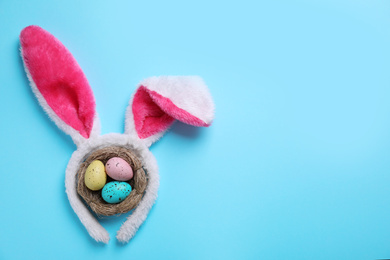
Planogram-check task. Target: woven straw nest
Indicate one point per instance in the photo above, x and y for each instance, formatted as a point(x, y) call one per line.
point(138, 182)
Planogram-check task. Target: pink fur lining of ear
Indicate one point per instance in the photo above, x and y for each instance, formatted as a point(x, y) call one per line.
point(58, 78)
point(154, 113)
point(149, 119)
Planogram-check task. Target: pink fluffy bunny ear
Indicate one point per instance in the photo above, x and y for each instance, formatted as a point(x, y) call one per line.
point(159, 101)
point(58, 83)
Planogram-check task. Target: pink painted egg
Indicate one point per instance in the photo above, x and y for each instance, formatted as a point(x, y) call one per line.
point(119, 169)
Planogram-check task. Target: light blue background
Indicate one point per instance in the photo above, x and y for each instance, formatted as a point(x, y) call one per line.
point(295, 166)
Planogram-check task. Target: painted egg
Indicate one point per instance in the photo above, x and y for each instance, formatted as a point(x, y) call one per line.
point(115, 191)
point(119, 169)
point(95, 177)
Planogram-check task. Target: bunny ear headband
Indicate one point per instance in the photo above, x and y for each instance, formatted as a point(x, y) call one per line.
point(64, 93)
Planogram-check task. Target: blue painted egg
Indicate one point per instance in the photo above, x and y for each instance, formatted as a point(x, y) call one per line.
point(115, 191)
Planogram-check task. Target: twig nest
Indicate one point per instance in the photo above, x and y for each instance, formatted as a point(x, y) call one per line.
point(94, 198)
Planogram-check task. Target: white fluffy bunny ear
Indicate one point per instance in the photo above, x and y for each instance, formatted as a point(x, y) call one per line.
point(59, 83)
point(158, 101)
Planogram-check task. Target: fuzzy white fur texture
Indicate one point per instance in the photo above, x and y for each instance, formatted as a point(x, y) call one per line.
point(139, 214)
point(189, 93)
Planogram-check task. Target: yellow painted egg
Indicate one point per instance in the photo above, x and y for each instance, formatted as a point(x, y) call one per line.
point(95, 177)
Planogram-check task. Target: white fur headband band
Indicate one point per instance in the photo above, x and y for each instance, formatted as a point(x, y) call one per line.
point(64, 93)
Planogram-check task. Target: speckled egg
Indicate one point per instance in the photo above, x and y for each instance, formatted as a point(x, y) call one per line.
point(115, 191)
point(119, 169)
point(95, 177)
